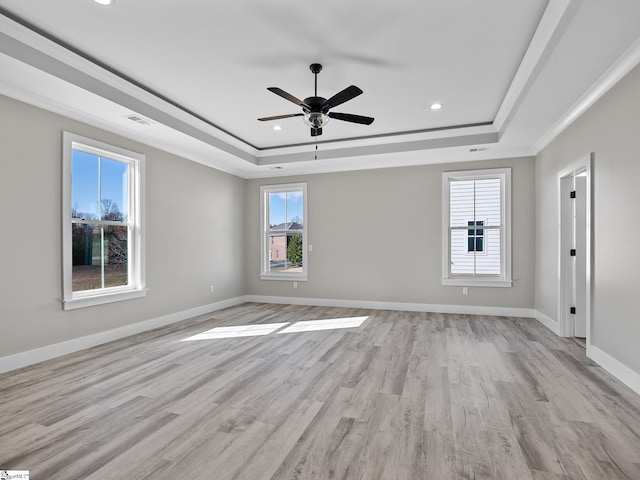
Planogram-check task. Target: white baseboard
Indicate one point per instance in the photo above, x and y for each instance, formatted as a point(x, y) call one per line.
point(23, 359)
point(616, 368)
point(408, 307)
point(19, 360)
point(548, 322)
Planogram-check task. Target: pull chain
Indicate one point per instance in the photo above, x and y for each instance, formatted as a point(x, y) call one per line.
point(316, 155)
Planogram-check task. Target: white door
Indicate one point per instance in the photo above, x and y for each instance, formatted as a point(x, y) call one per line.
point(580, 259)
point(573, 234)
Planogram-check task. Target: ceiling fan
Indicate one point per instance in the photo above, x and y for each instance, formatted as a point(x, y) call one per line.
point(315, 109)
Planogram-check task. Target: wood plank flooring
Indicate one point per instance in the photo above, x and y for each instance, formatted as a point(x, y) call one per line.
point(403, 396)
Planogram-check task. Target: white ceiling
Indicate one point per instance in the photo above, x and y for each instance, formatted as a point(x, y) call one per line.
point(510, 74)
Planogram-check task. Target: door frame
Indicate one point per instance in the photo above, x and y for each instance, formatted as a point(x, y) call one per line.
point(565, 322)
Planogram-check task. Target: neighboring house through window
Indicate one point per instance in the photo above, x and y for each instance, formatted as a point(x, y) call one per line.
point(103, 229)
point(284, 232)
point(475, 239)
point(473, 255)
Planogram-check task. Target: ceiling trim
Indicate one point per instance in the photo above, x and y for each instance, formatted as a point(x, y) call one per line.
point(555, 20)
point(59, 62)
point(471, 137)
point(33, 46)
point(370, 138)
point(108, 68)
point(83, 78)
point(628, 61)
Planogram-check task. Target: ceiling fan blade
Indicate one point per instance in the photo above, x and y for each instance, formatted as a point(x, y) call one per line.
point(288, 96)
point(341, 97)
point(316, 132)
point(278, 117)
point(348, 117)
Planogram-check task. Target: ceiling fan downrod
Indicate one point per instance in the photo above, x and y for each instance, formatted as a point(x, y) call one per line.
point(315, 68)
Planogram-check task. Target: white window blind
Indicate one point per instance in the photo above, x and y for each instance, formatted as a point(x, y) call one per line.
point(475, 203)
point(476, 227)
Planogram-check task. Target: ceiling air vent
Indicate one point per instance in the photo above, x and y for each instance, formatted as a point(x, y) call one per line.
point(134, 117)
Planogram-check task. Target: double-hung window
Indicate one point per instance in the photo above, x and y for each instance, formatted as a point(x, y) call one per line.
point(102, 223)
point(476, 228)
point(283, 222)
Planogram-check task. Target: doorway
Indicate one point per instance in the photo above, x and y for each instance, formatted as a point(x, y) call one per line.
point(575, 250)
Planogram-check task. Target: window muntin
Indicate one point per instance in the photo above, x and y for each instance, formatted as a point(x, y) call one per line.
point(102, 232)
point(476, 256)
point(283, 225)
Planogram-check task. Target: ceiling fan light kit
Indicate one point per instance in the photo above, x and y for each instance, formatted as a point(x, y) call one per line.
point(315, 109)
point(316, 119)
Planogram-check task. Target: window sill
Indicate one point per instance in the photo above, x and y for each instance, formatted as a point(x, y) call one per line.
point(287, 277)
point(477, 282)
point(91, 301)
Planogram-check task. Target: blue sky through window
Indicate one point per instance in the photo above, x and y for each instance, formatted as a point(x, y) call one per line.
point(285, 206)
point(93, 175)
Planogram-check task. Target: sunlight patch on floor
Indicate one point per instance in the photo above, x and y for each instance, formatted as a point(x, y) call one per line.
point(237, 331)
point(330, 324)
point(262, 329)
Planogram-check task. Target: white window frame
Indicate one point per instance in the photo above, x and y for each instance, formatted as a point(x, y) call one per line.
point(136, 286)
point(265, 274)
point(504, 279)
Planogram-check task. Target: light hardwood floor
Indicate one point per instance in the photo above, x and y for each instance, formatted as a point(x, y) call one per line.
point(404, 396)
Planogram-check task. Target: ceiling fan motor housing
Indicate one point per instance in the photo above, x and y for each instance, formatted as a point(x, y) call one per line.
point(315, 104)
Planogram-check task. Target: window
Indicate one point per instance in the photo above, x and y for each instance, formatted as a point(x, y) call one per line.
point(102, 223)
point(472, 255)
point(284, 232)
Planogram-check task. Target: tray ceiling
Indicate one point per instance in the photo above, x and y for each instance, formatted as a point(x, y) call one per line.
point(195, 74)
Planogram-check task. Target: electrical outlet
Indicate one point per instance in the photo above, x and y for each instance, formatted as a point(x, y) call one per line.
point(465, 290)
point(211, 288)
point(295, 284)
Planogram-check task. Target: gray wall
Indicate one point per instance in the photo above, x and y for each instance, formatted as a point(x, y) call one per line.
point(610, 129)
point(377, 236)
point(193, 217)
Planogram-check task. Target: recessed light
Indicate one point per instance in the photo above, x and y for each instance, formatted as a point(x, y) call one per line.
point(277, 128)
point(104, 2)
point(436, 106)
